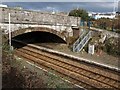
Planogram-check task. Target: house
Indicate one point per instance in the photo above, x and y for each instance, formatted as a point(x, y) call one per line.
point(1, 5)
point(106, 15)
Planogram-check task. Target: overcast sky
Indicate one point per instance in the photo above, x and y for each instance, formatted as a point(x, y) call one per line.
point(65, 6)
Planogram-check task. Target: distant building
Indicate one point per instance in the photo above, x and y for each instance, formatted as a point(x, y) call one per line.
point(98, 16)
point(118, 13)
point(18, 7)
point(91, 14)
point(102, 15)
point(1, 5)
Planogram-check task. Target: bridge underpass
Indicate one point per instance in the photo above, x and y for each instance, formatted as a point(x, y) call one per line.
point(45, 39)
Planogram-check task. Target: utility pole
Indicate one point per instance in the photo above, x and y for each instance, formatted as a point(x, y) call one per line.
point(9, 32)
point(114, 7)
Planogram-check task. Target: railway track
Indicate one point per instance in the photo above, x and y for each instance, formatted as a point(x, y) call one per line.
point(83, 74)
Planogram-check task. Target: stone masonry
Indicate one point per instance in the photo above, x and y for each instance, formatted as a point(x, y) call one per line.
point(60, 25)
point(34, 17)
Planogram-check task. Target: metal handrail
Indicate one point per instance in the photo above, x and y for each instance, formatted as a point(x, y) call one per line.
point(79, 46)
point(79, 39)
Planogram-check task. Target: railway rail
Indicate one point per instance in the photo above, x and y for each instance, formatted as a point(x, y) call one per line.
point(81, 73)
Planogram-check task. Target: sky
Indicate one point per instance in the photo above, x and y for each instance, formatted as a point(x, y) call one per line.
point(65, 6)
point(58, 0)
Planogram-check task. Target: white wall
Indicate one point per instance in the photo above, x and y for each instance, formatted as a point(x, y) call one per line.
point(103, 16)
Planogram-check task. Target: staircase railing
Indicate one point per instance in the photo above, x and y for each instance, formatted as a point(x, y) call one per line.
point(82, 41)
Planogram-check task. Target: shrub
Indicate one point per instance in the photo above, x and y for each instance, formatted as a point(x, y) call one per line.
point(112, 47)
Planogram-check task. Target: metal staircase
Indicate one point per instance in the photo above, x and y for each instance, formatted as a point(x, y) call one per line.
point(82, 41)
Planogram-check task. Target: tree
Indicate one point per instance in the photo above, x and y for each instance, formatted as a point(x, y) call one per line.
point(79, 13)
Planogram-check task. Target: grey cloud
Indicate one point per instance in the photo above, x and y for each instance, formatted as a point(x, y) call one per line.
point(65, 6)
point(57, 1)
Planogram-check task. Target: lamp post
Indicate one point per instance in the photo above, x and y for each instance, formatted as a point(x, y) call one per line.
point(9, 28)
point(9, 32)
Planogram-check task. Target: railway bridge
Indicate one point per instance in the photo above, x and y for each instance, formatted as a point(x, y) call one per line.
point(25, 21)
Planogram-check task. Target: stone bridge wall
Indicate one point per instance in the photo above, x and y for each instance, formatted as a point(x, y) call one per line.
point(64, 34)
point(34, 17)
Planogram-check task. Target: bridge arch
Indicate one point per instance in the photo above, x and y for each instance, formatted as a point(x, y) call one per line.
point(63, 35)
